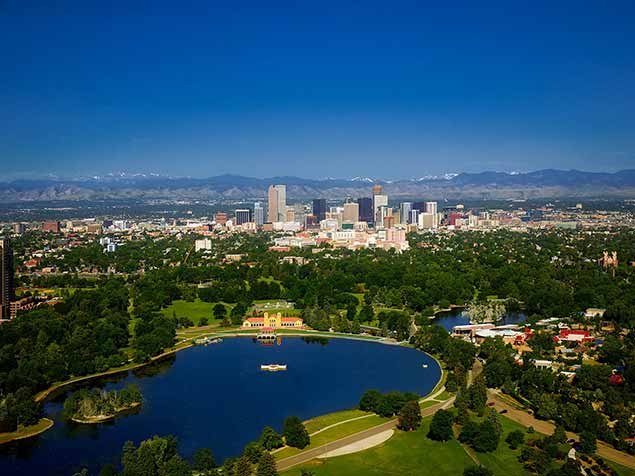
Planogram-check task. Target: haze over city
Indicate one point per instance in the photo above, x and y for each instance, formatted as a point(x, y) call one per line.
point(336, 89)
point(298, 238)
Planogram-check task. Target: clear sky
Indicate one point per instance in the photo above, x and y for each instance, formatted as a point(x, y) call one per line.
point(383, 89)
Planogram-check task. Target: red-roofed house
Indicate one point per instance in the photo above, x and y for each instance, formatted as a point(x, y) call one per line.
point(274, 321)
point(568, 335)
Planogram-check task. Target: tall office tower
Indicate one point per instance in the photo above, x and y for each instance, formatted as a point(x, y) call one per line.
point(299, 212)
point(351, 213)
point(19, 228)
point(414, 217)
point(289, 215)
point(419, 206)
point(365, 209)
point(319, 209)
point(277, 203)
point(259, 214)
point(378, 202)
point(6, 278)
point(426, 221)
point(381, 213)
point(431, 207)
point(243, 215)
point(377, 189)
point(405, 209)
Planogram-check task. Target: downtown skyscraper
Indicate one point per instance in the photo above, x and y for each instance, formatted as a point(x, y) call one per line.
point(6, 278)
point(319, 209)
point(277, 203)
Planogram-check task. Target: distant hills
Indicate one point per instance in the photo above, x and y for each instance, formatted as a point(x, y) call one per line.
point(548, 183)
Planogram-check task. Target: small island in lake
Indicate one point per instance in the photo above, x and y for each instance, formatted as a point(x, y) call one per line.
point(96, 406)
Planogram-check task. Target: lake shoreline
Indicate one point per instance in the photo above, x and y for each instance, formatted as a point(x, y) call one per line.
point(103, 418)
point(188, 343)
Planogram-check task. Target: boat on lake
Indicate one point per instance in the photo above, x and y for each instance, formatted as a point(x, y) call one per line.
point(273, 367)
point(208, 340)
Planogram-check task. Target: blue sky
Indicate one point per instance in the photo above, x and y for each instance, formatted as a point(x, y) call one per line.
point(315, 89)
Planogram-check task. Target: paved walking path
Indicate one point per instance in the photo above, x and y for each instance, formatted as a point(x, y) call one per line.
point(360, 445)
point(320, 451)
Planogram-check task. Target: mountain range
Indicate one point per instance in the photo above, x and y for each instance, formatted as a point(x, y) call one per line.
point(548, 183)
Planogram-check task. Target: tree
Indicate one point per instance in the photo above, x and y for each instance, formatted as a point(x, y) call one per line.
point(242, 467)
point(515, 439)
point(270, 439)
point(295, 433)
point(588, 442)
point(108, 469)
point(204, 460)
point(370, 400)
point(237, 313)
point(203, 321)
point(487, 439)
point(469, 432)
point(267, 466)
point(477, 471)
point(176, 466)
point(477, 395)
point(220, 311)
point(410, 416)
point(253, 452)
point(559, 435)
point(441, 426)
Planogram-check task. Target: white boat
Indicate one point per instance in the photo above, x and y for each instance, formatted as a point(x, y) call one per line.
point(273, 367)
point(425, 366)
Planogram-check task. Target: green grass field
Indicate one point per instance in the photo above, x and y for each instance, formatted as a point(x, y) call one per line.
point(414, 454)
point(323, 421)
point(403, 454)
point(335, 433)
point(194, 310)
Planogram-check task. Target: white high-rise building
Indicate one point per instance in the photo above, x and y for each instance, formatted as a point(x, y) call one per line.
point(259, 214)
point(414, 217)
point(405, 209)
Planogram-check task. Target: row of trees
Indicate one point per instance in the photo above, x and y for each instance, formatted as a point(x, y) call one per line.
point(85, 334)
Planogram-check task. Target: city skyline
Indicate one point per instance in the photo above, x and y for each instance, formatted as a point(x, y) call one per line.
point(398, 91)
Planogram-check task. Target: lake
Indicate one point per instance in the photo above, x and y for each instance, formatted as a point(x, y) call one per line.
point(458, 317)
point(216, 396)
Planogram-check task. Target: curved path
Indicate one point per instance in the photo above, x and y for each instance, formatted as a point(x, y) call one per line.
point(546, 428)
point(321, 451)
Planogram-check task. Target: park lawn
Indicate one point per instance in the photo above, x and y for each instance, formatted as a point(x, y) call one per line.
point(317, 423)
point(444, 395)
point(621, 470)
point(413, 453)
point(429, 403)
point(504, 461)
point(404, 454)
point(194, 310)
point(332, 434)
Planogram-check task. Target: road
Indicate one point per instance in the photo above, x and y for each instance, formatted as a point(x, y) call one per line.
point(546, 428)
point(308, 455)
